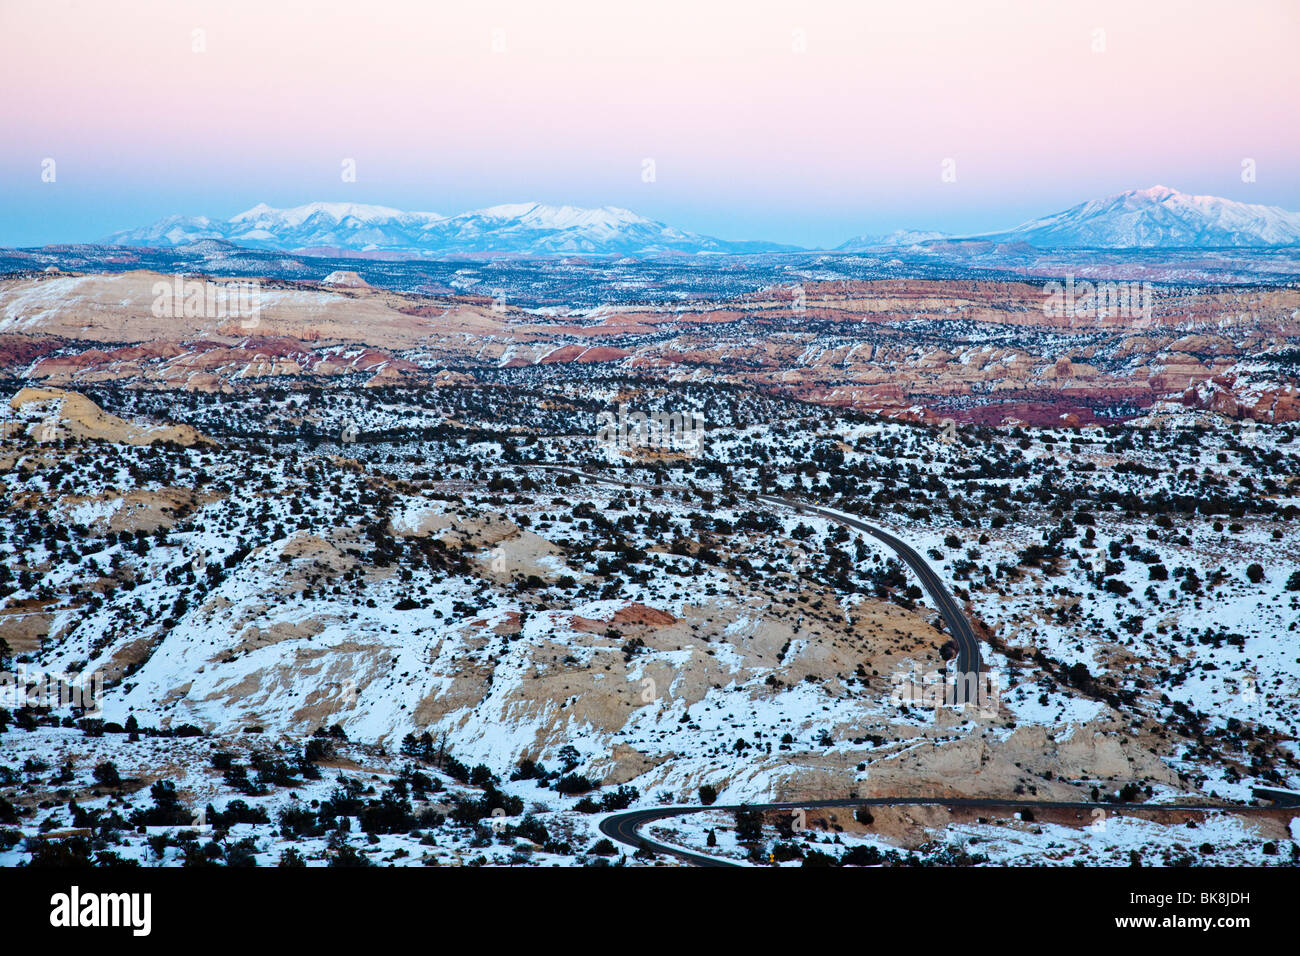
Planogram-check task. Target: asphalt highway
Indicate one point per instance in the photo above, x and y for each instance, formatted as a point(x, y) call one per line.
point(963, 635)
point(624, 826)
point(959, 627)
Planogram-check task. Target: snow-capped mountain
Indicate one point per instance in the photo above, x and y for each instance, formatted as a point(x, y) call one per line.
point(899, 237)
point(172, 231)
point(1158, 217)
point(529, 228)
point(346, 225)
point(540, 229)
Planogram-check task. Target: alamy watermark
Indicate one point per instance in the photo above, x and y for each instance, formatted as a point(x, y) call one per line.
point(662, 431)
point(201, 299)
point(938, 689)
point(102, 909)
point(52, 689)
point(1104, 298)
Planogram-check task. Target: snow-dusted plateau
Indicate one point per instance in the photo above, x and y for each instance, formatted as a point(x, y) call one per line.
point(454, 571)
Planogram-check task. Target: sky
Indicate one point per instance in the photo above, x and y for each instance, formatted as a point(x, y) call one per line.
point(802, 121)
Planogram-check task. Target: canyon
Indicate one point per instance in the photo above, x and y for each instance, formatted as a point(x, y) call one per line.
point(992, 352)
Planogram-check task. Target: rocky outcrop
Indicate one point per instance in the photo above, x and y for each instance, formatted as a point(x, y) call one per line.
point(1233, 397)
point(51, 414)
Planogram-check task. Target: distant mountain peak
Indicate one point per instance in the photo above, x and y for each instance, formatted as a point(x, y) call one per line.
point(1158, 217)
point(896, 239)
point(337, 211)
point(524, 228)
point(258, 210)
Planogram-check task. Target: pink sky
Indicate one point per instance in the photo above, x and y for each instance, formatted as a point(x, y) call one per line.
point(749, 136)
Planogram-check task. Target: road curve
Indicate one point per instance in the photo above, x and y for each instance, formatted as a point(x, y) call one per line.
point(624, 826)
point(963, 635)
point(968, 646)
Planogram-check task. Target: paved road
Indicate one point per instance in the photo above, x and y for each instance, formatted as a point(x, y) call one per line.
point(968, 646)
point(963, 635)
point(624, 826)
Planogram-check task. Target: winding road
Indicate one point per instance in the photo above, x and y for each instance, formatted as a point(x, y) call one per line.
point(968, 646)
point(959, 627)
point(624, 826)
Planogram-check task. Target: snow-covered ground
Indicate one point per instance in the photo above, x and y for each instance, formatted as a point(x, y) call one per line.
point(664, 639)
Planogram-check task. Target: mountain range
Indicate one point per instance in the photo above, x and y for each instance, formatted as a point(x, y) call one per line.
point(528, 228)
point(1154, 218)
point(1158, 218)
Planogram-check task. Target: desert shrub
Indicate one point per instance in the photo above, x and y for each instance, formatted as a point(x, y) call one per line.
point(572, 783)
